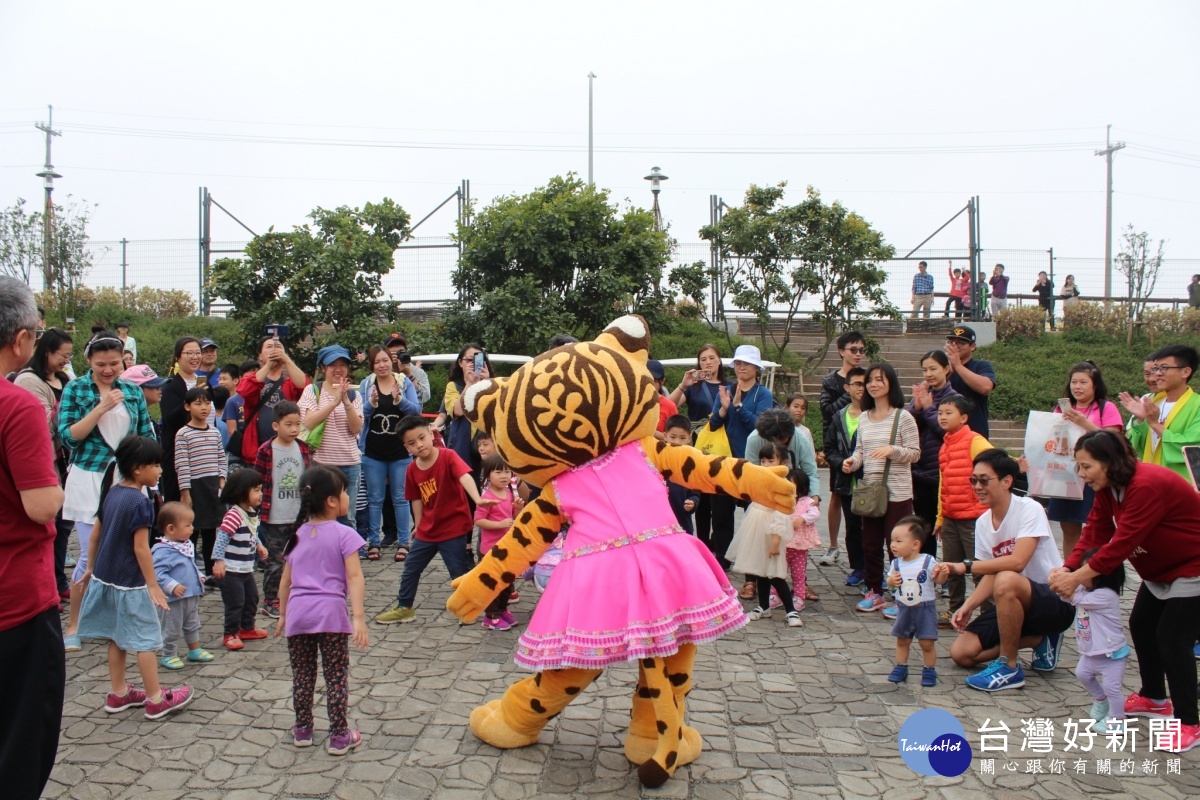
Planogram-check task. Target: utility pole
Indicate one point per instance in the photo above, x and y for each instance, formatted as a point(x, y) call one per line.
point(591, 78)
point(48, 213)
point(1109, 149)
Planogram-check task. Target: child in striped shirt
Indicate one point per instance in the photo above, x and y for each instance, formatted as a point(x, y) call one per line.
point(233, 557)
point(201, 467)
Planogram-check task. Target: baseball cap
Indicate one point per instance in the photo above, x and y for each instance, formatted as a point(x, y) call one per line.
point(206, 343)
point(656, 369)
point(394, 339)
point(142, 375)
point(962, 332)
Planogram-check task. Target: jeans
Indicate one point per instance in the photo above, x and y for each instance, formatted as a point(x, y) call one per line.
point(239, 592)
point(33, 672)
point(998, 304)
point(454, 556)
point(352, 473)
point(384, 478)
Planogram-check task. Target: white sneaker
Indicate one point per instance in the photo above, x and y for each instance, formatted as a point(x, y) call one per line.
point(758, 613)
point(793, 620)
point(829, 557)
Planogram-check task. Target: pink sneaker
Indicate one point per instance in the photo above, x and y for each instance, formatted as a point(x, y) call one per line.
point(1189, 737)
point(508, 617)
point(1138, 706)
point(133, 698)
point(172, 700)
point(775, 602)
point(496, 623)
point(340, 745)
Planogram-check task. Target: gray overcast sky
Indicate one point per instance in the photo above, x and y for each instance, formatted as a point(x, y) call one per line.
point(900, 110)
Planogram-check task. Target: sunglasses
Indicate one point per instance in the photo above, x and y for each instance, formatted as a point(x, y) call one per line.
point(980, 481)
point(858, 351)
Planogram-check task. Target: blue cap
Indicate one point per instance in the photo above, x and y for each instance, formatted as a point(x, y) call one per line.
point(331, 353)
point(656, 369)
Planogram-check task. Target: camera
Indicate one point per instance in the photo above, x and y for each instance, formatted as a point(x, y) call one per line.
point(403, 356)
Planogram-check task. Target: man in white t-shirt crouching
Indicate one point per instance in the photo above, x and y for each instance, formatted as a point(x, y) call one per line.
point(1014, 553)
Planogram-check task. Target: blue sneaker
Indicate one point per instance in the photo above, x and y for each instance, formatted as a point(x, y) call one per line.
point(997, 676)
point(871, 602)
point(854, 578)
point(899, 673)
point(891, 612)
point(1045, 655)
point(929, 676)
point(1196, 651)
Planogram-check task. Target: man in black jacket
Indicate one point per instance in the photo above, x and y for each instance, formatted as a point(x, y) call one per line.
point(838, 447)
point(852, 347)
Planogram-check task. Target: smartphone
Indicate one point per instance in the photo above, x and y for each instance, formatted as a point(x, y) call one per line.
point(478, 362)
point(277, 331)
point(1191, 457)
point(1064, 404)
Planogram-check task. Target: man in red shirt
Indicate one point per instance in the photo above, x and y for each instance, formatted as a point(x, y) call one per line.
point(32, 663)
point(437, 484)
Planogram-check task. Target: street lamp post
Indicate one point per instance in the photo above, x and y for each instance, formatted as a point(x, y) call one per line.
point(49, 175)
point(656, 178)
point(591, 79)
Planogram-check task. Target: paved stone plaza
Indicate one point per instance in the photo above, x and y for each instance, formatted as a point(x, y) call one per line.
point(784, 713)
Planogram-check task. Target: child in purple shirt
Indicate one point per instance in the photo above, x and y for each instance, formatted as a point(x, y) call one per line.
point(1100, 638)
point(320, 571)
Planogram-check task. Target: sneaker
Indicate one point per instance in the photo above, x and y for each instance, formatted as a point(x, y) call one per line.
point(758, 613)
point(344, 743)
point(252, 634)
point(899, 673)
point(829, 557)
point(1189, 737)
point(70, 562)
point(775, 601)
point(929, 676)
point(798, 603)
point(891, 612)
point(1099, 710)
point(944, 620)
point(496, 623)
point(302, 737)
point(1045, 655)
point(389, 540)
point(870, 602)
point(270, 608)
point(133, 698)
point(396, 614)
point(72, 643)
point(1196, 651)
point(232, 642)
point(514, 597)
point(793, 620)
point(997, 676)
point(508, 617)
point(855, 578)
point(172, 700)
point(1138, 706)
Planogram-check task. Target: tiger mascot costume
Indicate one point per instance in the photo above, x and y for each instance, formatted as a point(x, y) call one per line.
point(579, 421)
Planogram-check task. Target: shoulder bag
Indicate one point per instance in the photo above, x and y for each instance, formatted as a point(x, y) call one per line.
point(871, 499)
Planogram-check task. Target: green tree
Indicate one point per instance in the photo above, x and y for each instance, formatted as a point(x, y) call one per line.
point(23, 250)
point(1139, 262)
point(559, 259)
point(325, 274)
point(774, 256)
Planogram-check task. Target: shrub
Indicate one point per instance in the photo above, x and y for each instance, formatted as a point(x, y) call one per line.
point(1082, 315)
point(1162, 322)
point(136, 301)
point(1020, 322)
point(1189, 320)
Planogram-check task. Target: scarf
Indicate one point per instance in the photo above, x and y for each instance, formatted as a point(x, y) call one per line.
point(188, 550)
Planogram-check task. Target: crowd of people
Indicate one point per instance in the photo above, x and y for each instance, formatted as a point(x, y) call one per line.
point(272, 486)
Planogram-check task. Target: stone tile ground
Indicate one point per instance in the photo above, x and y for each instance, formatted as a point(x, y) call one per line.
point(784, 712)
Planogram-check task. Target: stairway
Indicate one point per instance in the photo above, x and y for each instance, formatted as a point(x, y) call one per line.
point(902, 351)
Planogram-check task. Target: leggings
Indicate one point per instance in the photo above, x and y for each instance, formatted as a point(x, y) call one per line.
point(1102, 677)
point(1164, 632)
point(335, 663)
point(765, 585)
point(797, 561)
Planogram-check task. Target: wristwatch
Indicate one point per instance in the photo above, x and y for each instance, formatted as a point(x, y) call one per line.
point(967, 564)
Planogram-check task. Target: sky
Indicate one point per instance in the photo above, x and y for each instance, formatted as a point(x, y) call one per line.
point(901, 111)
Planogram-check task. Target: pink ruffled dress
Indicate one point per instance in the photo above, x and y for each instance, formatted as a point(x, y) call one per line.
point(631, 584)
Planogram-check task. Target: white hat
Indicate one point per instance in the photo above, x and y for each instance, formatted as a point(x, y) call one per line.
point(748, 354)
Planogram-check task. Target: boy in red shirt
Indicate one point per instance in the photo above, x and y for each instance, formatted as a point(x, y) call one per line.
point(437, 484)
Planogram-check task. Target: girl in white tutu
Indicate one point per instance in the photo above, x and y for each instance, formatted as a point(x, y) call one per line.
point(757, 549)
point(120, 587)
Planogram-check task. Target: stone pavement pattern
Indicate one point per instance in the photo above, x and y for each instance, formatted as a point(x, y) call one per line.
point(784, 712)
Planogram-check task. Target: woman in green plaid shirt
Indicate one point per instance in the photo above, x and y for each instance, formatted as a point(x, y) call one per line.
point(98, 410)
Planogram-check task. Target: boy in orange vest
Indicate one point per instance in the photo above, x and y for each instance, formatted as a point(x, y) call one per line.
point(958, 507)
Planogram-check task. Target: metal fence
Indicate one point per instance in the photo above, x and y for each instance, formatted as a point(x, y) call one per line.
point(422, 277)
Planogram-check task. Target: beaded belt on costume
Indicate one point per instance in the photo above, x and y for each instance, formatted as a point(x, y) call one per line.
point(622, 541)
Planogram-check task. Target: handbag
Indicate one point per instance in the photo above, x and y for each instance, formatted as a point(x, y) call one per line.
point(315, 435)
point(871, 499)
point(713, 441)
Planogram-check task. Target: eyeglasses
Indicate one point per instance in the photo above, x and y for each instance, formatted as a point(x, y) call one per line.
point(980, 481)
point(190, 353)
point(1158, 369)
point(858, 384)
point(858, 351)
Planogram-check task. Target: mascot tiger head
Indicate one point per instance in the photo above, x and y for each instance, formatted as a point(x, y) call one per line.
point(571, 404)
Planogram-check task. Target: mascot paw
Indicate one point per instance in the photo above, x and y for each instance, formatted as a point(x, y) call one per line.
point(640, 749)
point(487, 722)
point(470, 598)
point(780, 491)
